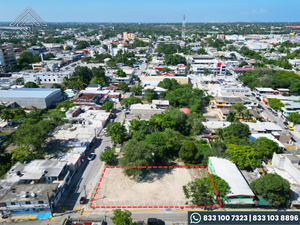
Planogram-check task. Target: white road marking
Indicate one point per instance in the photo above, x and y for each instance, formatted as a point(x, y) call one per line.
point(175, 201)
point(124, 202)
point(170, 185)
point(144, 202)
point(133, 202)
point(153, 202)
point(114, 201)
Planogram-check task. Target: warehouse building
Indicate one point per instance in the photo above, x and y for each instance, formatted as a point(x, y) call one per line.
point(27, 97)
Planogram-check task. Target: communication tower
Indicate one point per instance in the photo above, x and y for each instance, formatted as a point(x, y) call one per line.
point(183, 28)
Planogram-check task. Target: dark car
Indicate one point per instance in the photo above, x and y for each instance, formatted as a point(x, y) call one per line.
point(285, 123)
point(154, 221)
point(82, 200)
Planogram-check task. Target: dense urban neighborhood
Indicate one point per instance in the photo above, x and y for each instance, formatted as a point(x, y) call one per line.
point(103, 121)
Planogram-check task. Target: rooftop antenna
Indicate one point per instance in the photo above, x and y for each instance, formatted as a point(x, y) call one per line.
point(183, 28)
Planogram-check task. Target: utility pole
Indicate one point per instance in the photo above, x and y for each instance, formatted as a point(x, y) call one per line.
point(50, 204)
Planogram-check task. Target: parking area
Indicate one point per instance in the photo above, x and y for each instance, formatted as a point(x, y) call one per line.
point(159, 187)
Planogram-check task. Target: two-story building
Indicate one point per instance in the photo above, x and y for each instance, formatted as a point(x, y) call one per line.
point(227, 102)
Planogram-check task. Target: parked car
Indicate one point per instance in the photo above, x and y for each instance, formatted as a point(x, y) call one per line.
point(290, 127)
point(91, 156)
point(154, 221)
point(82, 200)
point(106, 147)
point(285, 123)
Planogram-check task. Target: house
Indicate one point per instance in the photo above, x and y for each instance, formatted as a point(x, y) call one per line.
point(262, 90)
point(227, 102)
point(240, 195)
point(73, 112)
point(87, 99)
point(269, 136)
point(24, 188)
point(162, 104)
point(290, 108)
point(283, 90)
point(158, 90)
point(114, 96)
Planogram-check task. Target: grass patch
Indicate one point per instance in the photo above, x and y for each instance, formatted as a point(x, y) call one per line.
point(4, 134)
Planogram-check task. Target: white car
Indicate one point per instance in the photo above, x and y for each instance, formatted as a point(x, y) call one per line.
point(91, 156)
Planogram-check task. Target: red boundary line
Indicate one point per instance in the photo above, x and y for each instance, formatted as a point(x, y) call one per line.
point(152, 207)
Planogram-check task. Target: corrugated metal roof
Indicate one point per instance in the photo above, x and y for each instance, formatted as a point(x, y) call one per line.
point(28, 93)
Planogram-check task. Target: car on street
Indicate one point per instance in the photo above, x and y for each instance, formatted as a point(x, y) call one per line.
point(82, 200)
point(285, 123)
point(106, 147)
point(154, 221)
point(91, 156)
point(290, 127)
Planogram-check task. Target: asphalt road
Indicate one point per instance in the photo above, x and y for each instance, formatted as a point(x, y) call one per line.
point(279, 121)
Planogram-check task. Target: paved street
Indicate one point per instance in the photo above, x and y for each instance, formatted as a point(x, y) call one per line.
point(279, 121)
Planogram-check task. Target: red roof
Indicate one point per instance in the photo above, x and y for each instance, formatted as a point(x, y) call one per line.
point(112, 88)
point(185, 110)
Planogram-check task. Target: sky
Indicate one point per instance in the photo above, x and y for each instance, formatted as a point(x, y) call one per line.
point(155, 11)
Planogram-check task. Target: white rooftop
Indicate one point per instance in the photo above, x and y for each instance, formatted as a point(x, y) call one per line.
point(231, 174)
point(269, 136)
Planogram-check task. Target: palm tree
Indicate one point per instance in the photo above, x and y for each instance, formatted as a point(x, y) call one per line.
point(247, 115)
point(239, 108)
point(6, 115)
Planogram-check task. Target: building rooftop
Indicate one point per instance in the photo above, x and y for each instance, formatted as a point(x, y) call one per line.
point(30, 192)
point(269, 136)
point(231, 174)
point(28, 93)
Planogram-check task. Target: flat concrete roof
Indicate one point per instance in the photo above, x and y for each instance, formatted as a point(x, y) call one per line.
point(22, 193)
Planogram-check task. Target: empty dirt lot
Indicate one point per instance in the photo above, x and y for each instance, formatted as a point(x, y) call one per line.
point(160, 187)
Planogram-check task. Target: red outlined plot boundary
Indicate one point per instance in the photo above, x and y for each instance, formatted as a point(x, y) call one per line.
point(151, 207)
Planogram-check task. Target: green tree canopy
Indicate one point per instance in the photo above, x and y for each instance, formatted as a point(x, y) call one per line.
point(122, 217)
point(201, 191)
point(31, 85)
point(108, 105)
point(149, 95)
point(265, 147)
point(188, 152)
point(136, 153)
point(137, 89)
point(275, 103)
point(294, 117)
point(236, 133)
point(122, 86)
point(272, 187)
point(120, 73)
point(129, 101)
point(107, 156)
point(244, 156)
point(116, 131)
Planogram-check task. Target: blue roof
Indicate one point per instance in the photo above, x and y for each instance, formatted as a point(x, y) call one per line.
point(28, 92)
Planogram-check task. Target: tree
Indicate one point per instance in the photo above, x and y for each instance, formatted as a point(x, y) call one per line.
point(165, 69)
point(98, 80)
point(157, 139)
point(84, 73)
point(137, 89)
point(169, 84)
point(73, 82)
point(162, 121)
point(265, 147)
point(31, 85)
point(136, 153)
point(122, 86)
point(82, 45)
point(194, 122)
point(244, 63)
point(201, 51)
point(272, 187)
point(116, 131)
point(69, 48)
point(108, 105)
point(188, 152)
point(6, 114)
point(149, 95)
point(201, 192)
point(231, 116)
point(18, 114)
point(111, 63)
point(65, 105)
point(122, 217)
point(174, 60)
point(245, 157)
point(239, 108)
point(247, 115)
point(107, 156)
point(294, 117)
point(236, 133)
point(275, 103)
point(120, 73)
point(129, 101)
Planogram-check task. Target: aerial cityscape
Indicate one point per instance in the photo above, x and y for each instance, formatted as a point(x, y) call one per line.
point(149, 117)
